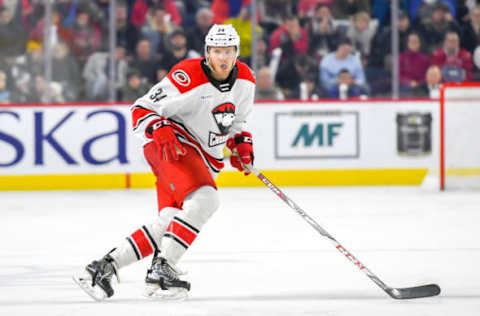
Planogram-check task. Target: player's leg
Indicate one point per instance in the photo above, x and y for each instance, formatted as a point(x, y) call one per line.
point(194, 190)
point(96, 279)
point(163, 277)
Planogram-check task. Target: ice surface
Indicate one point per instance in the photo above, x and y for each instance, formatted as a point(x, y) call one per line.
point(255, 257)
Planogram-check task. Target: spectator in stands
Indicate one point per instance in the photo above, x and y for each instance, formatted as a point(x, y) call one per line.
point(273, 12)
point(58, 32)
point(290, 37)
point(383, 43)
point(162, 70)
point(156, 29)
point(188, 10)
point(293, 73)
point(243, 25)
point(35, 61)
point(86, 39)
point(177, 50)
point(433, 30)
point(422, 10)
point(28, 13)
point(65, 71)
point(361, 32)
point(463, 11)
point(224, 9)
point(13, 37)
point(345, 87)
point(144, 63)
point(127, 33)
point(5, 95)
point(17, 70)
point(65, 9)
point(322, 33)
point(135, 88)
point(263, 57)
point(220, 10)
point(307, 9)
point(97, 72)
point(309, 88)
point(45, 93)
point(23, 88)
point(140, 9)
point(378, 68)
point(344, 9)
point(413, 65)
point(455, 62)
point(381, 11)
point(338, 60)
point(68, 11)
point(196, 34)
point(431, 87)
point(102, 8)
point(266, 89)
point(470, 36)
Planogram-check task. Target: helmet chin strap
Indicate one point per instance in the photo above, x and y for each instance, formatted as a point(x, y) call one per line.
point(207, 59)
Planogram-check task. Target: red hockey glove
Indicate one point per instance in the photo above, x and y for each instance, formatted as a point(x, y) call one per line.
point(241, 146)
point(167, 143)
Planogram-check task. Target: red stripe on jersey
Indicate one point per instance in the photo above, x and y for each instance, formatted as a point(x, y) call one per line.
point(187, 74)
point(142, 243)
point(244, 72)
point(214, 162)
point(138, 114)
point(182, 232)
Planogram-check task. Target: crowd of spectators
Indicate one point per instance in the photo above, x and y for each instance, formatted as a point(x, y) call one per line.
point(306, 49)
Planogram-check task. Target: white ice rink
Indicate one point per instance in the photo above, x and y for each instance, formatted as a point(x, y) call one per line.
point(255, 257)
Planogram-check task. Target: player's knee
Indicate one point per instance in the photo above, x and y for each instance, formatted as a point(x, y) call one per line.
point(165, 216)
point(201, 204)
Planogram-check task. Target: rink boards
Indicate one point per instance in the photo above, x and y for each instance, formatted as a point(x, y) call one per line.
point(91, 146)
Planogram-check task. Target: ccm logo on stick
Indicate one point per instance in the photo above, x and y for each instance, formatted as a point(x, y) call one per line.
point(351, 257)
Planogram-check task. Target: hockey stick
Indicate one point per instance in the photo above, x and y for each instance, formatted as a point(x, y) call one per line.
point(397, 293)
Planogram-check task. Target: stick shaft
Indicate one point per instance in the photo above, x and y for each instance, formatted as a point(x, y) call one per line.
point(319, 229)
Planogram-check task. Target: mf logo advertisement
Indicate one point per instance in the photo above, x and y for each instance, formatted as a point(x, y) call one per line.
point(320, 134)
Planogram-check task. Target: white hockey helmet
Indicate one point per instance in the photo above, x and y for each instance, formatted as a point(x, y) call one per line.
point(222, 35)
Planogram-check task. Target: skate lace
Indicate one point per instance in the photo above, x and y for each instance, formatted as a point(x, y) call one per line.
point(165, 269)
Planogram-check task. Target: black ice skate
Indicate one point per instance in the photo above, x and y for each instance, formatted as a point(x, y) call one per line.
point(97, 279)
point(162, 281)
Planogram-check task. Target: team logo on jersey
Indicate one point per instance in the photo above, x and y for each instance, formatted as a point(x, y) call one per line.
point(224, 114)
point(181, 77)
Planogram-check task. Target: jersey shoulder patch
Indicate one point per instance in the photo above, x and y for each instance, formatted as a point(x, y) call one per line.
point(187, 75)
point(244, 72)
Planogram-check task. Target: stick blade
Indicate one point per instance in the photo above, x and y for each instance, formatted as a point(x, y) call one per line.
point(414, 292)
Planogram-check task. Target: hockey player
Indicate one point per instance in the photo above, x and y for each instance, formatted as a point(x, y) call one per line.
point(185, 121)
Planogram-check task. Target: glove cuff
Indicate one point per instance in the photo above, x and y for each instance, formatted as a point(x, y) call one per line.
point(156, 124)
point(243, 137)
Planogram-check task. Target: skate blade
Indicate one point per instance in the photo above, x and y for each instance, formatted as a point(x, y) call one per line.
point(154, 292)
point(94, 292)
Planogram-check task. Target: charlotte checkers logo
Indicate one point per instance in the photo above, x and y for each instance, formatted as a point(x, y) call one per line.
point(224, 114)
point(181, 77)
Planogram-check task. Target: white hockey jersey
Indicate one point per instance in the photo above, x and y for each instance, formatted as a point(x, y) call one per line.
point(204, 111)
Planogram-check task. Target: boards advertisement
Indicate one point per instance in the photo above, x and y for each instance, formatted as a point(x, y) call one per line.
point(292, 141)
